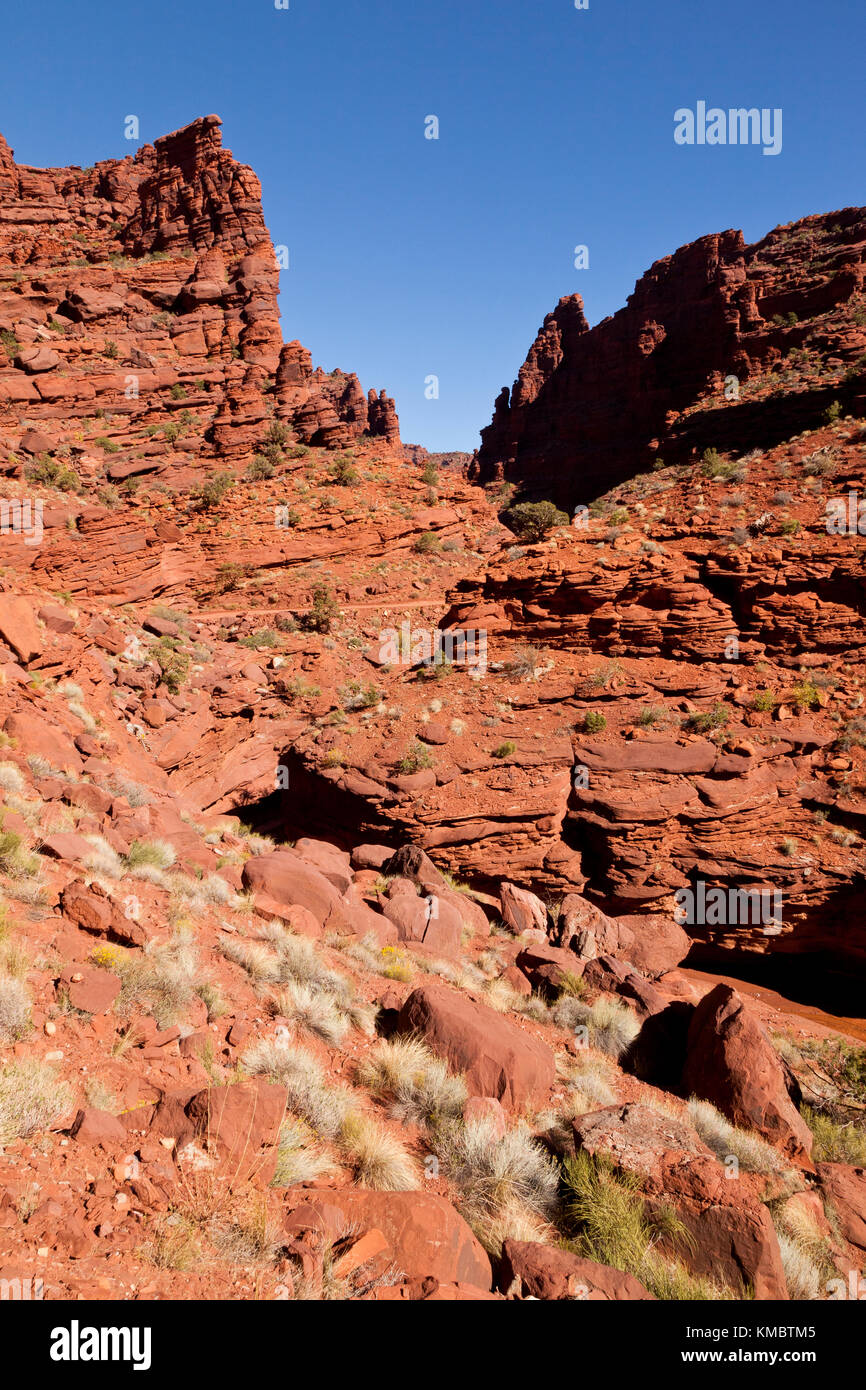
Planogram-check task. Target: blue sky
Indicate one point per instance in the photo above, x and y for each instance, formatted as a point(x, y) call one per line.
point(413, 257)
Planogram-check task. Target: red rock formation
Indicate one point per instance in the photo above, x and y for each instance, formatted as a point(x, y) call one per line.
point(163, 261)
point(592, 406)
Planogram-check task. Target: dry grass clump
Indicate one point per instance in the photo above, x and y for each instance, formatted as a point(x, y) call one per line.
point(15, 859)
point(418, 1085)
point(388, 961)
point(377, 1158)
point(504, 998)
point(507, 1184)
point(103, 860)
point(752, 1152)
point(11, 778)
point(610, 1025)
point(807, 1256)
point(14, 1009)
point(31, 1098)
point(173, 1243)
point(149, 854)
point(315, 1011)
point(299, 1157)
point(313, 996)
point(324, 1107)
point(164, 977)
point(333, 1288)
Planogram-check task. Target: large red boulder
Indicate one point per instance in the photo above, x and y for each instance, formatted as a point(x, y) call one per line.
point(19, 629)
point(729, 1234)
point(731, 1062)
point(499, 1058)
point(288, 878)
point(427, 1236)
point(844, 1190)
point(529, 1269)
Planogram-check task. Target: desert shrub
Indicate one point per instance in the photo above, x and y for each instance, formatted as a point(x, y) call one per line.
point(594, 722)
point(806, 694)
point(416, 757)
point(259, 469)
point(764, 700)
point(343, 472)
point(523, 663)
point(705, 721)
point(50, 473)
point(532, 521)
point(426, 544)
point(257, 641)
point(323, 609)
point(174, 664)
point(610, 1025)
point(726, 1140)
point(505, 750)
point(417, 1084)
point(212, 492)
point(32, 1097)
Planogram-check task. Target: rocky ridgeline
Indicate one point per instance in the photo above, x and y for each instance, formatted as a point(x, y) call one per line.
point(135, 279)
point(255, 1038)
point(721, 345)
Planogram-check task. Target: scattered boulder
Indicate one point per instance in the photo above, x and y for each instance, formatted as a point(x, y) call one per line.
point(529, 1269)
point(731, 1062)
point(497, 1056)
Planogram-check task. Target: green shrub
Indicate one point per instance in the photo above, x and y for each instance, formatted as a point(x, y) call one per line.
point(53, 474)
point(265, 637)
point(705, 721)
point(426, 544)
point(594, 722)
point(532, 521)
point(214, 490)
point(505, 750)
point(259, 469)
point(806, 694)
point(10, 343)
point(324, 608)
point(343, 472)
point(764, 700)
point(174, 665)
point(416, 757)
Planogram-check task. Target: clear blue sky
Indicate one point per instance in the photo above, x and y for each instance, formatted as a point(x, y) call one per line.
point(412, 257)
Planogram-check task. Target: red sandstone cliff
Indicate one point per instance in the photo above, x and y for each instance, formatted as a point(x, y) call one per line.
point(593, 406)
point(165, 257)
